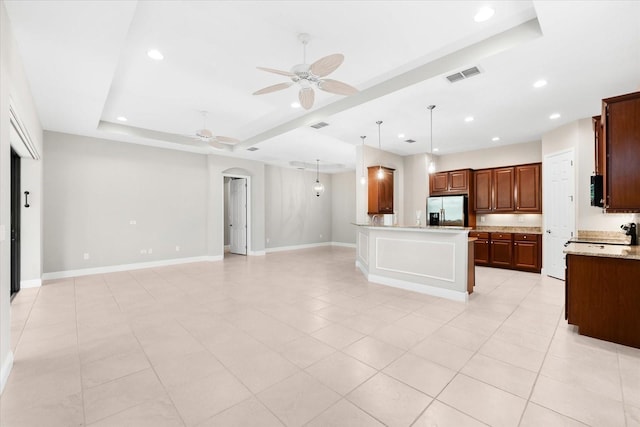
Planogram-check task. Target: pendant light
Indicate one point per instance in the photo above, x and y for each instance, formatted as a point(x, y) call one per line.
point(380, 173)
point(432, 164)
point(318, 188)
point(363, 179)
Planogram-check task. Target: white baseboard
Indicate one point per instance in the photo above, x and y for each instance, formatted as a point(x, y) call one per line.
point(309, 246)
point(344, 245)
point(33, 283)
point(6, 370)
point(257, 253)
point(297, 247)
point(125, 267)
point(410, 286)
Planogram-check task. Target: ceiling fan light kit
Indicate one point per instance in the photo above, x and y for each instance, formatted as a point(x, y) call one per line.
point(309, 76)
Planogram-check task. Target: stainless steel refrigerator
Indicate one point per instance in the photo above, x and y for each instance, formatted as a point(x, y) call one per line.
point(447, 210)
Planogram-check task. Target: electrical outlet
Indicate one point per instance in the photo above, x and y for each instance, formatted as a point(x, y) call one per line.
point(177, 248)
point(482, 219)
point(150, 251)
point(143, 251)
point(520, 218)
point(321, 235)
point(268, 240)
point(133, 222)
point(85, 256)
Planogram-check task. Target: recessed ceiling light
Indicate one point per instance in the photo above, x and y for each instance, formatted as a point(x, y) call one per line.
point(495, 138)
point(484, 14)
point(554, 116)
point(401, 135)
point(435, 150)
point(155, 54)
point(121, 118)
point(295, 105)
point(540, 83)
point(468, 119)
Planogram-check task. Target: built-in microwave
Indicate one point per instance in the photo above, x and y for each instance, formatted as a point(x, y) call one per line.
point(596, 191)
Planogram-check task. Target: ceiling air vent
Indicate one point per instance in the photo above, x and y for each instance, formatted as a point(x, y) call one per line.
point(252, 149)
point(465, 74)
point(410, 141)
point(320, 125)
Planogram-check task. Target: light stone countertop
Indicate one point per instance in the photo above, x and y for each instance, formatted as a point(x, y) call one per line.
point(421, 228)
point(506, 229)
point(603, 250)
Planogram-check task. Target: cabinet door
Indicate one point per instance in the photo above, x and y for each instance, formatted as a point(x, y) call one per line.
point(503, 190)
point(527, 192)
point(501, 253)
point(482, 181)
point(622, 136)
point(599, 152)
point(438, 183)
point(372, 182)
point(481, 249)
point(385, 192)
point(459, 181)
point(525, 255)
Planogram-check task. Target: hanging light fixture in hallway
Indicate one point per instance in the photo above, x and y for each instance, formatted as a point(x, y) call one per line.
point(380, 173)
point(363, 178)
point(318, 188)
point(432, 164)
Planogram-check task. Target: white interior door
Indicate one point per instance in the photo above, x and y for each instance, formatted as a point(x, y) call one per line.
point(559, 210)
point(238, 216)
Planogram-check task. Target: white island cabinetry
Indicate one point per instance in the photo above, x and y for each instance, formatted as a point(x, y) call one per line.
point(429, 260)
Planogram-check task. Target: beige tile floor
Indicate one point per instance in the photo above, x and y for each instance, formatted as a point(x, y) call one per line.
point(300, 338)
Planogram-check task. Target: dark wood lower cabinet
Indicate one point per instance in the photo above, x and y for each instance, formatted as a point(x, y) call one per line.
point(506, 250)
point(603, 296)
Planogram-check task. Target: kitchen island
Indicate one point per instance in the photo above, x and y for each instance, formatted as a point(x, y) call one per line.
point(427, 259)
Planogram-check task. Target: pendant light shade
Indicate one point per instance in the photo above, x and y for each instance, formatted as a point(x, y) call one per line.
point(317, 188)
point(363, 178)
point(432, 164)
point(380, 173)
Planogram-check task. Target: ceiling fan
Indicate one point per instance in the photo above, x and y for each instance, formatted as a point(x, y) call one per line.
point(307, 76)
point(206, 135)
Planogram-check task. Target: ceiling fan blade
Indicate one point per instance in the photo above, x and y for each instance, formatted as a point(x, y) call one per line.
point(272, 70)
point(226, 139)
point(273, 88)
point(327, 65)
point(306, 96)
point(337, 87)
point(218, 145)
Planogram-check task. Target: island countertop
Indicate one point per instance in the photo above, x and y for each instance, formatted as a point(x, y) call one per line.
point(422, 228)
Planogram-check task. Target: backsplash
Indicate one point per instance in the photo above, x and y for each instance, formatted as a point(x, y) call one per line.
point(509, 220)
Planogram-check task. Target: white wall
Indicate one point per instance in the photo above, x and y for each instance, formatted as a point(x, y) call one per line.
point(343, 207)
point(503, 155)
point(94, 188)
point(579, 136)
point(416, 187)
point(294, 215)
point(14, 86)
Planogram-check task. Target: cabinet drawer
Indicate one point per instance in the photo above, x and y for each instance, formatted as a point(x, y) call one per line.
point(520, 237)
point(501, 236)
point(479, 234)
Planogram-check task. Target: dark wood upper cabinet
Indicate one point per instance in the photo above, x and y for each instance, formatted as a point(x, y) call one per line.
point(508, 189)
point(380, 191)
point(599, 152)
point(527, 191)
point(438, 183)
point(450, 182)
point(483, 181)
point(503, 189)
point(621, 135)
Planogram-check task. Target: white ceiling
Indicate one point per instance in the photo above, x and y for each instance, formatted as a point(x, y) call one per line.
point(86, 62)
